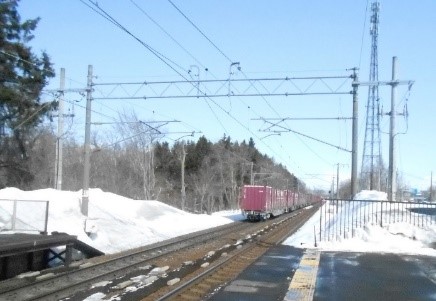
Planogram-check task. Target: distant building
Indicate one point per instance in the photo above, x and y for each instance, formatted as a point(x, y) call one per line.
point(416, 195)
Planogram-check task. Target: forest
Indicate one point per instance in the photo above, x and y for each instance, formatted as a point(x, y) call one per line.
point(131, 159)
point(197, 176)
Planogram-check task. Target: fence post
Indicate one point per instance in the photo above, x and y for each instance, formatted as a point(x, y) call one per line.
point(46, 218)
point(320, 222)
point(14, 215)
point(381, 214)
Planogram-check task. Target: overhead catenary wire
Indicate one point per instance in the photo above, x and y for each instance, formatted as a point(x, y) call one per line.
point(166, 33)
point(219, 50)
point(206, 98)
point(200, 31)
point(363, 33)
point(232, 62)
point(113, 21)
point(160, 56)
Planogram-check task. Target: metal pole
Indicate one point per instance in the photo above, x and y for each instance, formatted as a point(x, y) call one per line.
point(251, 174)
point(14, 215)
point(392, 165)
point(59, 142)
point(85, 192)
point(182, 170)
point(337, 183)
point(355, 135)
point(47, 203)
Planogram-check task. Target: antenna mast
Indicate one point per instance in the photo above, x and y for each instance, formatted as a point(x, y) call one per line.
point(372, 160)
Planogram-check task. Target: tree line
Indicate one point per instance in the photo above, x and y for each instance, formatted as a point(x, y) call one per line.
point(197, 176)
point(134, 162)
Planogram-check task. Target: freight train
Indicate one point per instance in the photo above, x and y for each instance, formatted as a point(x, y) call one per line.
point(263, 202)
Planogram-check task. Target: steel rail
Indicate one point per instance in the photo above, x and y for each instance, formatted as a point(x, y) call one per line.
point(226, 260)
point(135, 258)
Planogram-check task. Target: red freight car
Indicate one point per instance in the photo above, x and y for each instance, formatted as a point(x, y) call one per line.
point(262, 202)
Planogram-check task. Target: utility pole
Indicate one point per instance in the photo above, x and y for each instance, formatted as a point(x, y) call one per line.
point(392, 166)
point(251, 174)
point(337, 182)
point(182, 167)
point(59, 140)
point(392, 162)
point(85, 191)
point(355, 134)
point(332, 189)
point(431, 187)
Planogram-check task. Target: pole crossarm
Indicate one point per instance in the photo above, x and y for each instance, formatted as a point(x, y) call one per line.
point(385, 83)
point(219, 95)
point(249, 87)
point(305, 118)
point(66, 91)
point(133, 122)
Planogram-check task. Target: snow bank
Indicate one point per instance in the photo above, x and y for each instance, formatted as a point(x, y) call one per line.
point(114, 223)
point(399, 237)
point(371, 195)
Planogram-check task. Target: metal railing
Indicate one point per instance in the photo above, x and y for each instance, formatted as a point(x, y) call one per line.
point(340, 218)
point(24, 215)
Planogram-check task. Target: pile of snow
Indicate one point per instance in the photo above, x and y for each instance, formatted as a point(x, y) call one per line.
point(399, 237)
point(114, 223)
point(371, 195)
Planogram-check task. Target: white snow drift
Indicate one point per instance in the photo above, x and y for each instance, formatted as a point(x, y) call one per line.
point(117, 223)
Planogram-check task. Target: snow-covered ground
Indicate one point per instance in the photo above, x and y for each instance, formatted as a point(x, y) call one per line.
point(395, 237)
point(117, 223)
point(114, 223)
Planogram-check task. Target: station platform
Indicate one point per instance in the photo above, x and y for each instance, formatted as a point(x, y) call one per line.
point(287, 273)
point(20, 252)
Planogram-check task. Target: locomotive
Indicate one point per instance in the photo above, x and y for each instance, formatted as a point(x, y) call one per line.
point(264, 202)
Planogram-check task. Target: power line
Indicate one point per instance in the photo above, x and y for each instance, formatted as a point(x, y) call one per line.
point(30, 116)
point(219, 50)
point(207, 97)
point(159, 55)
point(26, 61)
point(363, 33)
point(200, 31)
point(166, 32)
point(156, 53)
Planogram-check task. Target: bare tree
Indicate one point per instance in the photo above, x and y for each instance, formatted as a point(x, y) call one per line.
point(137, 137)
point(206, 186)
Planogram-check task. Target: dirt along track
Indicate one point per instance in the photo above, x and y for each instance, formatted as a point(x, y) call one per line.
point(151, 272)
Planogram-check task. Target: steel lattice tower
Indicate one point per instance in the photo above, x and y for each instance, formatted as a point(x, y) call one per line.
point(371, 160)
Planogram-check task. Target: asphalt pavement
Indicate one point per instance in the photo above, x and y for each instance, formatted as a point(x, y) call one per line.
point(370, 276)
point(287, 273)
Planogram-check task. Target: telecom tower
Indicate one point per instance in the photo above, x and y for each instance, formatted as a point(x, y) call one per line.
point(371, 160)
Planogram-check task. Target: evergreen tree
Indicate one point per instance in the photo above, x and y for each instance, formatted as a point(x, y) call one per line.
point(23, 75)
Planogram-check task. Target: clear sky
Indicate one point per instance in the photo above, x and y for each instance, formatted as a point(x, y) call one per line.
point(269, 39)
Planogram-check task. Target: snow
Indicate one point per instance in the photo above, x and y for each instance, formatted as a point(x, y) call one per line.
point(116, 223)
point(398, 237)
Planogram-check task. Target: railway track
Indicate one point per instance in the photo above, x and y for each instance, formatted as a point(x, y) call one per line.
point(58, 283)
point(206, 283)
point(147, 271)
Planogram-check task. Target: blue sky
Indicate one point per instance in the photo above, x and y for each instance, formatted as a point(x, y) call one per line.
point(270, 39)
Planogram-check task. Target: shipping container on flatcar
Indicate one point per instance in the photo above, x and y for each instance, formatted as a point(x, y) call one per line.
point(262, 202)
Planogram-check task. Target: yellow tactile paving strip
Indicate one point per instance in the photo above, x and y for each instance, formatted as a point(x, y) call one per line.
point(302, 285)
